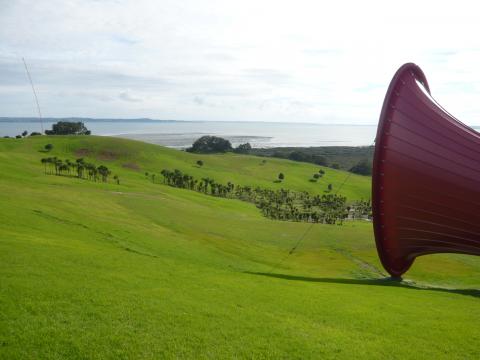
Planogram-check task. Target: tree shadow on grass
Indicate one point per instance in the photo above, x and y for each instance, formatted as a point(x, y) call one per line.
point(372, 282)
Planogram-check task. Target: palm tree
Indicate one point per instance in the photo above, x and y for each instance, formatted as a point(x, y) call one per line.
point(164, 173)
point(94, 173)
point(57, 163)
point(49, 161)
point(80, 170)
point(69, 165)
point(44, 162)
point(91, 171)
point(104, 172)
point(63, 167)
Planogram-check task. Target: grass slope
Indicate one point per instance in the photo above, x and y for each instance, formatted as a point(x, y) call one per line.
point(141, 270)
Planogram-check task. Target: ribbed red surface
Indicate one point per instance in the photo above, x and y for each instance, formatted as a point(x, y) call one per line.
point(426, 177)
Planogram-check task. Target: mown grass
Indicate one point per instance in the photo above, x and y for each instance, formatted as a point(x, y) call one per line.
point(142, 270)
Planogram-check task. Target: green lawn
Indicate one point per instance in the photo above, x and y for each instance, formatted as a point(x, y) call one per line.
point(142, 270)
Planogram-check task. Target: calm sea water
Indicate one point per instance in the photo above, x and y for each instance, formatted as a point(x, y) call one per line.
point(182, 134)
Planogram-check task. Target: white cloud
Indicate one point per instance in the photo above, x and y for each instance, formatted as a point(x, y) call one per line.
point(127, 96)
point(306, 61)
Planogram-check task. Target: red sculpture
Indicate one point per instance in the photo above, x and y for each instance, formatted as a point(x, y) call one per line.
point(426, 177)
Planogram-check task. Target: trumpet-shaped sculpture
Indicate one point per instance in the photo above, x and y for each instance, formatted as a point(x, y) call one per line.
point(426, 177)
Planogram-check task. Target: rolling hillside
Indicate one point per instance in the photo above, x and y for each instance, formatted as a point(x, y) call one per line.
point(141, 270)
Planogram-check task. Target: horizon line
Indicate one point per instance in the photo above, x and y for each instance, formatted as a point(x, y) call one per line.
point(108, 119)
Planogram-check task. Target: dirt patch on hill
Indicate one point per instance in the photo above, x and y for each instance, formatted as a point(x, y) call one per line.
point(107, 155)
point(82, 152)
point(132, 166)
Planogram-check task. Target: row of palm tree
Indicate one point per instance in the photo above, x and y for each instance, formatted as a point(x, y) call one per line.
point(282, 204)
point(78, 168)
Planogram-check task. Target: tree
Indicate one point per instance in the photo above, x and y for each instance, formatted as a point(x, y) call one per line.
point(319, 160)
point(18, 136)
point(243, 148)
point(321, 171)
point(80, 170)
point(44, 162)
point(68, 128)
point(25, 133)
point(62, 168)
point(335, 166)
point(316, 176)
point(117, 179)
point(80, 166)
point(48, 147)
point(298, 156)
point(34, 133)
point(281, 176)
point(330, 187)
point(104, 172)
point(210, 144)
point(166, 174)
point(200, 163)
point(363, 167)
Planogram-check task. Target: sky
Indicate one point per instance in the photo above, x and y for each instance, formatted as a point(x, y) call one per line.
point(327, 62)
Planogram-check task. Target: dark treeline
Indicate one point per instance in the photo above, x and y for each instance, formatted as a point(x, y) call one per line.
point(78, 168)
point(356, 159)
point(275, 204)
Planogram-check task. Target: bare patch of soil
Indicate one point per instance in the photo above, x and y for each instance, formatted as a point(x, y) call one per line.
point(82, 152)
point(132, 166)
point(107, 155)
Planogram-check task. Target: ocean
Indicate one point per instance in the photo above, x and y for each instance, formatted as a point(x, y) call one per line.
point(181, 134)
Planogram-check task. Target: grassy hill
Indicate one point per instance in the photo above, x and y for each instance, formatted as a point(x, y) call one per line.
point(142, 270)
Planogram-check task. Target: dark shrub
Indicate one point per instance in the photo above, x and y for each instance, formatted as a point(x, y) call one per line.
point(319, 160)
point(298, 156)
point(243, 148)
point(68, 128)
point(363, 167)
point(210, 144)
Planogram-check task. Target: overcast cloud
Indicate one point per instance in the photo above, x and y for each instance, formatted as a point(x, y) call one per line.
point(299, 61)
